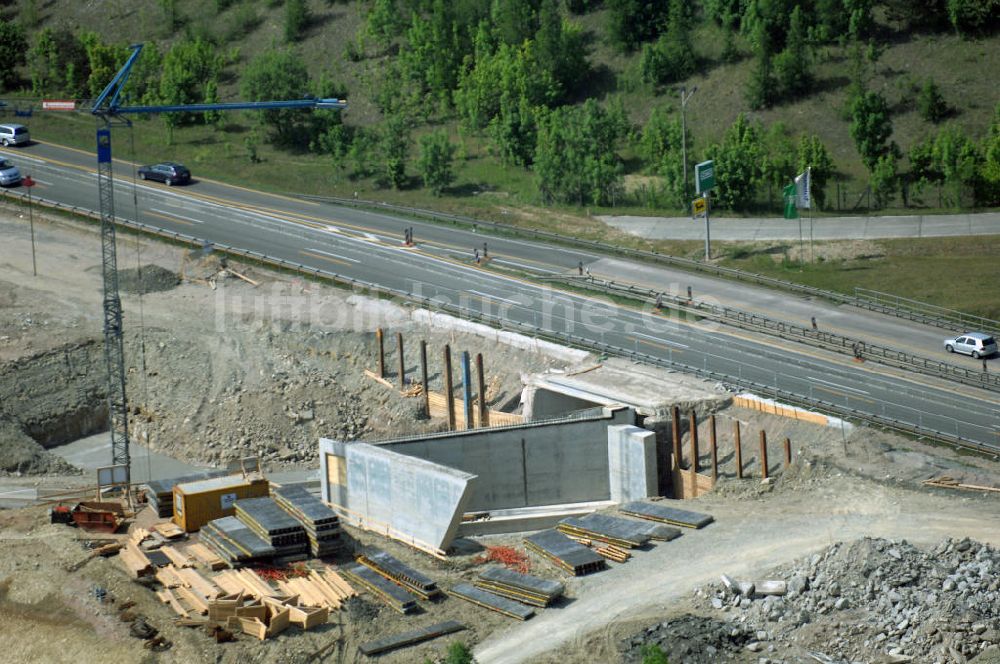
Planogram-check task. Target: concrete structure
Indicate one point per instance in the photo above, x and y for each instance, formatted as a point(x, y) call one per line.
point(632, 468)
point(616, 382)
point(407, 498)
point(542, 463)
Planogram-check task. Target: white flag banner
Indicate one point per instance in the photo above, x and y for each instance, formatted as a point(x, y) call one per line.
point(803, 195)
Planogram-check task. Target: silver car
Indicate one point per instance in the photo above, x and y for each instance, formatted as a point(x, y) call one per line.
point(14, 134)
point(975, 344)
point(9, 173)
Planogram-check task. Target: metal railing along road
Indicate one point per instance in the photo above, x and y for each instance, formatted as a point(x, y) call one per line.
point(886, 304)
point(747, 320)
point(963, 435)
point(922, 312)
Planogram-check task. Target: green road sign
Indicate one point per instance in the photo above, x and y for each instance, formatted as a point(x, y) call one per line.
point(791, 211)
point(704, 176)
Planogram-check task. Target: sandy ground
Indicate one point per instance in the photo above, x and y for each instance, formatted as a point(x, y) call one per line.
point(245, 347)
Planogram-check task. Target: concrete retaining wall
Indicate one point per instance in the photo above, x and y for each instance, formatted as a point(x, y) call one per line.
point(632, 468)
point(410, 499)
point(542, 463)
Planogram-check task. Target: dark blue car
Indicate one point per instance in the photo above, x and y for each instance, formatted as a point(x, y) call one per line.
point(168, 172)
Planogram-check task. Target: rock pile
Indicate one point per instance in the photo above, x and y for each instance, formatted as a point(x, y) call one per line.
point(870, 600)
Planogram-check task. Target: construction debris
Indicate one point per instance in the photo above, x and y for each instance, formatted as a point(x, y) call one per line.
point(947, 482)
point(612, 552)
point(507, 556)
point(410, 638)
point(524, 588)
point(564, 552)
point(488, 600)
point(396, 597)
point(605, 528)
point(394, 570)
point(665, 514)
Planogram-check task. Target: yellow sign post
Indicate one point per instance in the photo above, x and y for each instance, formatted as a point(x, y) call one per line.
point(698, 206)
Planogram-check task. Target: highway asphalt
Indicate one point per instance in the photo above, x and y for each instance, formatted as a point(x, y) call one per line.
point(368, 246)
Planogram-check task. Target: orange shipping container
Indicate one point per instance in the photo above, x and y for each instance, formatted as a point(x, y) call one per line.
point(197, 503)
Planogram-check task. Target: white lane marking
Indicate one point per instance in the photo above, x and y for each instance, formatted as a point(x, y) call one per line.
point(838, 386)
point(179, 216)
point(533, 268)
point(660, 340)
point(494, 297)
point(45, 182)
point(332, 255)
point(21, 157)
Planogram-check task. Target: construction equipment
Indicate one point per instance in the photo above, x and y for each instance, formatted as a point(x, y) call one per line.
point(109, 112)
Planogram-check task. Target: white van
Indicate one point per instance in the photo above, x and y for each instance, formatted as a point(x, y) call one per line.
point(14, 134)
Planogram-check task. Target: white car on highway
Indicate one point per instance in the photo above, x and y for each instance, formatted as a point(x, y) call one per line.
point(975, 344)
point(10, 174)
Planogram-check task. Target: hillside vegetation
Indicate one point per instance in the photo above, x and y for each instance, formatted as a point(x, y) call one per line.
point(491, 104)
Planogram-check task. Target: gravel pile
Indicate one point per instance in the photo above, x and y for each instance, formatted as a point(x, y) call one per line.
point(872, 600)
point(148, 279)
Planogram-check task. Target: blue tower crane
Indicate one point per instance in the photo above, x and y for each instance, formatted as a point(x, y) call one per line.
point(109, 112)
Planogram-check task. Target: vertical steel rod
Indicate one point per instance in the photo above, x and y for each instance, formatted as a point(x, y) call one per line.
point(423, 377)
point(484, 412)
point(739, 452)
point(380, 338)
point(763, 454)
point(402, 361)
point(714, 448)
point(449, 388)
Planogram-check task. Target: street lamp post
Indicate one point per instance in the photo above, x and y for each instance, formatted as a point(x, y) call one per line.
point(685, 96)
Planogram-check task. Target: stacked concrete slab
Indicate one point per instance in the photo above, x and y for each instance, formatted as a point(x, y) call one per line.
point(606, 528)
point(322, 525)
point(273, 525)
point(523, 588)
point(234, 542)
point(564, 552)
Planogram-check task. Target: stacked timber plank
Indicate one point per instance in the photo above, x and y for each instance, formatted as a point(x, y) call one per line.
point(321, 523)
point(605, 528)
point(524, 588)
point(396, 597)
point(321, 589)
point(564, 552)
point(135, 560)
point(247, 582)
point(666, 514)
point(392, 569)
point(185, 587)
point(160, 493)
point(488, 600)
point(234, 541)
point(273, 525)
point(409, 638)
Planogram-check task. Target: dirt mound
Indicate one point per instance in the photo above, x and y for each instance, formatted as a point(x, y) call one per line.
point(20, 455)
point(147, 279)
point(869, 600)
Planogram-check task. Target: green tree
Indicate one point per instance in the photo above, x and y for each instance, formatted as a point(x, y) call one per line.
point(970, 17)
point(812, 154)
point(930, 103)
point(653, 654)
point(955, 158)
point(632, 22)
point(884, 180)
point(296, 19)
point(760, 86)
point(171, 17)
point(383, 23)
point(458, 653)
point(190, 76)
point(435, 161)
point(792, 66)
point(103, 61)
point(433, 56)
point(13, 46)
point(514, 20)
point(860, 22)
point(671, 57)
point(988, 191)
point(560, 49)
point(393, 150)
point(275, 75)
point(871, 127)
point(738, 160)
point(660, 146)
point(779, 162)
point(575, 158)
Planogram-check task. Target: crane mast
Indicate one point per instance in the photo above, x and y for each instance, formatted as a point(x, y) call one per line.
point(108, 112)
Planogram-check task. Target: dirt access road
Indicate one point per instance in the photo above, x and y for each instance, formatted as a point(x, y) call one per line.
point(749, 537)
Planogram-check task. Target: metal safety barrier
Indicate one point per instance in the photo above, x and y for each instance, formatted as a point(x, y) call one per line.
point(575, 341)
point(922, 312)
point(747, 320)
